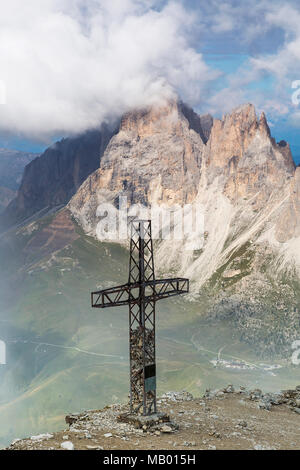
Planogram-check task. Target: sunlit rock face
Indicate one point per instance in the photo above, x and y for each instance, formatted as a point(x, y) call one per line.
point(155, 158)
point(168, 155)
point(242, 150)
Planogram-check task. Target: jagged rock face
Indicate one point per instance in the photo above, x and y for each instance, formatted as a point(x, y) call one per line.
point(155, 158)
point(241, 149)
point(231, 136)
point(159, 156)
point(51, 179)
point(248, 189)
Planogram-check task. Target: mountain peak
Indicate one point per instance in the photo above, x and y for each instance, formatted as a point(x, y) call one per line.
point(263, 125)
point(160, 118)
point(245, 113)
point(231, 136)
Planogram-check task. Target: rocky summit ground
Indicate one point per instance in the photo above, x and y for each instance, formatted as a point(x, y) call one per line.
point(221, 419)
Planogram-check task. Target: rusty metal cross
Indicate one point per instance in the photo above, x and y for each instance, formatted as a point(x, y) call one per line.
point(141, 293)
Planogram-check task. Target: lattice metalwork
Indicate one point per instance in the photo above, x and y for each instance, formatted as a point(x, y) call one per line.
point(141, 293)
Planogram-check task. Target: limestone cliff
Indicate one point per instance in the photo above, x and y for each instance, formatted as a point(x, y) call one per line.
point(156, 157)
point(242, 149)
point(161, 156)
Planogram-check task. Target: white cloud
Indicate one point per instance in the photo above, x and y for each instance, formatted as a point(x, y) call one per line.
point(286, 61)
point(247, 21)
point(265, 78)
point(69, 64)
point(283, 64)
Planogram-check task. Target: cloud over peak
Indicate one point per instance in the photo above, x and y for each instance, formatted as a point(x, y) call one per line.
point(70, 64)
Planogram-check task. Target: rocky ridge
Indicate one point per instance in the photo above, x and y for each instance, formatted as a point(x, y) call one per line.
point(221, 419)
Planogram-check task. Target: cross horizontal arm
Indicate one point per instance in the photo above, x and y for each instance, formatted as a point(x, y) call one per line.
point(169, 287)
point(129, 293)
point(112, 297)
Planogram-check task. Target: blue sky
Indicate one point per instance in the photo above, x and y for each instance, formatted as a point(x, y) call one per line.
point(107, 56)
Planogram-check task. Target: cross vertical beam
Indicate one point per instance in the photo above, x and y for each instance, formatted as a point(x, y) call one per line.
point(142, 321)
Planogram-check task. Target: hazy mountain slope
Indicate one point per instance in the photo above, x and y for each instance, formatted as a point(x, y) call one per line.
point(6, 195)
point(51, 179)
point(12, 164)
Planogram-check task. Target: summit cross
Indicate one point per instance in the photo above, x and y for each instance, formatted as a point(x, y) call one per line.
point(141, 294)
